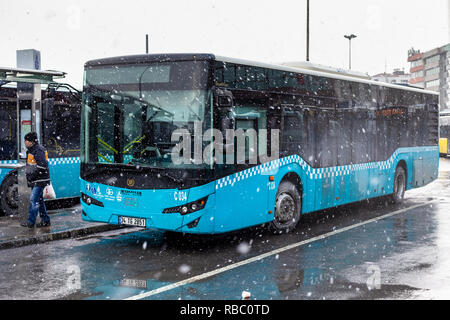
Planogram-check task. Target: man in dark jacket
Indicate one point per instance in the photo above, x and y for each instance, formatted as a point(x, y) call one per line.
point(38, 177)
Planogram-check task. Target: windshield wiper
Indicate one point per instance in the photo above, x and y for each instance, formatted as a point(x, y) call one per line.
point(96, 170)
point(192, 110)
point(109, 94)
point(165, 174)
point(195, 114)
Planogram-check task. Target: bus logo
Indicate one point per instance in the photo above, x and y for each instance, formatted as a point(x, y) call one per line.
point(90, 188)
point(130, 182)
point(109, 192)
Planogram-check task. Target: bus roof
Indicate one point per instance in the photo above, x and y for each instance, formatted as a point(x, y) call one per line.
point(29, 75)
point(318, 67)
point(167, 57)
point(144, 58)
point(322, 74)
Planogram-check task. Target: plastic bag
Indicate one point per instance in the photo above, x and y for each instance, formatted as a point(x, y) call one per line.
point(49, 193)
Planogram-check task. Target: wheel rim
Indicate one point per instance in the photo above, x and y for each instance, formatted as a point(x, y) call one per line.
point(12, 196)
point(285, 208)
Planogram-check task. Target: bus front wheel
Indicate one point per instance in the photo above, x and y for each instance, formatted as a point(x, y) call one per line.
point(9, 196)
point(288, 207)
point(399, 185)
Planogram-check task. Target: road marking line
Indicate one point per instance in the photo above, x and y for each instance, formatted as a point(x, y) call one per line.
point(268, 254)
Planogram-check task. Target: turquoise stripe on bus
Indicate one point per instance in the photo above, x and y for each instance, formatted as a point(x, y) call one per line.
point(316, 173)
point(51, 161)
point(322, 187)
point(56, 161)
point(8, 161)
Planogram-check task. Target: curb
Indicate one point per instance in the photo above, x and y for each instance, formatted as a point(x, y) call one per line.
point(73, 233)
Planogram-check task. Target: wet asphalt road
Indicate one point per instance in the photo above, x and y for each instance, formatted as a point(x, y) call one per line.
point(361, 251)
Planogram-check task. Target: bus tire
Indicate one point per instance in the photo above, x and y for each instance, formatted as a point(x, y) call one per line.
point(288, 208)
point(399, 185)
point(9, 197)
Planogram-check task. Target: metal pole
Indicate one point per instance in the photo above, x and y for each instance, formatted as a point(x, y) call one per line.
point(307, 30)
point(36, 107)
point(350, 37)
point(146, 43)
point(350, 54)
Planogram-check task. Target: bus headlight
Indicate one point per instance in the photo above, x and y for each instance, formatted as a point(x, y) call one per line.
point(89, 200)
point(188, 208)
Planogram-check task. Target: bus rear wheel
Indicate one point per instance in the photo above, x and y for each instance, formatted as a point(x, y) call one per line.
point(9, 196)
point(288, 207)
point(399, 185)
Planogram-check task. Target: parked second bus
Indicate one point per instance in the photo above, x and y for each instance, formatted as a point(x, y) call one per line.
point(58, 126)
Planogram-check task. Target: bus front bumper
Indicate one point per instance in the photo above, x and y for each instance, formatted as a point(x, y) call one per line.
point(197, 222)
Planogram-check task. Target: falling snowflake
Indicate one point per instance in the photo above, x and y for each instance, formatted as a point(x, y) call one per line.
point(243, 248)
point(184, 268)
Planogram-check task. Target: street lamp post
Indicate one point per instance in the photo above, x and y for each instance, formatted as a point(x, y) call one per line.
point(350, 37)
point(307, 30)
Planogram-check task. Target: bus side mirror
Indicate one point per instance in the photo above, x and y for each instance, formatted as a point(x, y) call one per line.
point(47, 109)
point(224, 115)
point(224, 108)
point(225, 101)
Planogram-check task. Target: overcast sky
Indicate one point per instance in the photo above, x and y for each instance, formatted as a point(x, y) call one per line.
point(69, 33)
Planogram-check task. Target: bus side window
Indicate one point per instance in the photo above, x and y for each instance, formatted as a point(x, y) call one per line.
point(62, 132)
point(343, 93)
point(246, 124)
point(292, 129)
point(252, 114)
point(325, 129)
point(8, 143)
point(344, 138)
point(360, 150)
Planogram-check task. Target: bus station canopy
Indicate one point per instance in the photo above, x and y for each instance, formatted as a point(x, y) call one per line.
point(29, 75)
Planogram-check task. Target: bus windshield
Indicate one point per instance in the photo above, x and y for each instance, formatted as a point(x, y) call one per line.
point(131, 112)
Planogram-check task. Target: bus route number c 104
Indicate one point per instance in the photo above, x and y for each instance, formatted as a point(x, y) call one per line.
point(180, 196)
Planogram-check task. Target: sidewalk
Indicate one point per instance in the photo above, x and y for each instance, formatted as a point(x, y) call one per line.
point(66, 223)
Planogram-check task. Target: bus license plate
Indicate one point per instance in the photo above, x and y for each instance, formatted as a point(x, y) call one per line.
point(130, 221)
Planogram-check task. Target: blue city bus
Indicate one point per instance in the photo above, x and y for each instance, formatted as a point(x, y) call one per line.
point(58, 126)
point(339, 140)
